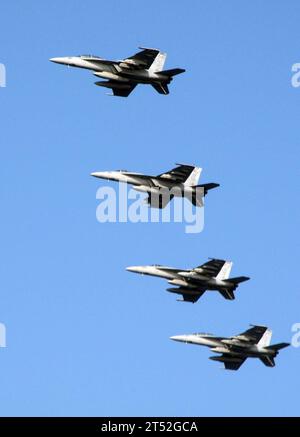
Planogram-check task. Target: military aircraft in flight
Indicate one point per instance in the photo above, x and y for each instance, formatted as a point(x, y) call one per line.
point(181, 181)
point(192, 283)
point(145, 67)
point(253, 343)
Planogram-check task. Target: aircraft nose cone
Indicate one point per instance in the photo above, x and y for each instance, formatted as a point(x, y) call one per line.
point(95, 174)
point(59, 60)
point(134, 269)
point(101, 174)
point(181, 338)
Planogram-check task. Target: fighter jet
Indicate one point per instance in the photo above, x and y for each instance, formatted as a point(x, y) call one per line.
point(145, 67)
point(253, 343)
point(181, 181)
point(192, 283)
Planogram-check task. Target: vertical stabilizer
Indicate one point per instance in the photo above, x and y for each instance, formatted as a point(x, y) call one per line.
point(193, 178)
point(225, 271)
point(266, 339)
point(158, 63)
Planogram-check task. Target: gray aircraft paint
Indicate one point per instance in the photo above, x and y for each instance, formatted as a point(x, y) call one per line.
point(180, 181)
point(145, 67)
point(253, 343)
point(192, 283)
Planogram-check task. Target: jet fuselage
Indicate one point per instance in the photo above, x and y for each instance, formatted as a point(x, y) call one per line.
point(110, 71)
point(155, 184)
point(225, 345)
point(184, 278)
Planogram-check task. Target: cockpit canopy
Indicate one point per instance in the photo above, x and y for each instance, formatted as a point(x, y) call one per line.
point(89, 56)
point(203, 334)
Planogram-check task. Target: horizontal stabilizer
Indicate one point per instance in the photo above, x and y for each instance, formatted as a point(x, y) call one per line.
point(161, 88)
point(227, 294)
point(159, 201)
point(207, 187)
point(268, 361)
point(170, 73)
point(237, 280)
point(278, 346)
point(197, 200)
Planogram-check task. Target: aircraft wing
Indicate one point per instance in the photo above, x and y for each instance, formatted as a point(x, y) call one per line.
point(141, 60)
point(190, 296)
point(178, 175)
point(122, 90)
point(193, 298)
point(142, 178)
point(252, 335)
point(233, 365)
point(230, 361)
point(210, 268)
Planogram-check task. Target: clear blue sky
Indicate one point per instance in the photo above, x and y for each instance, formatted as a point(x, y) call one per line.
point(85, 337)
